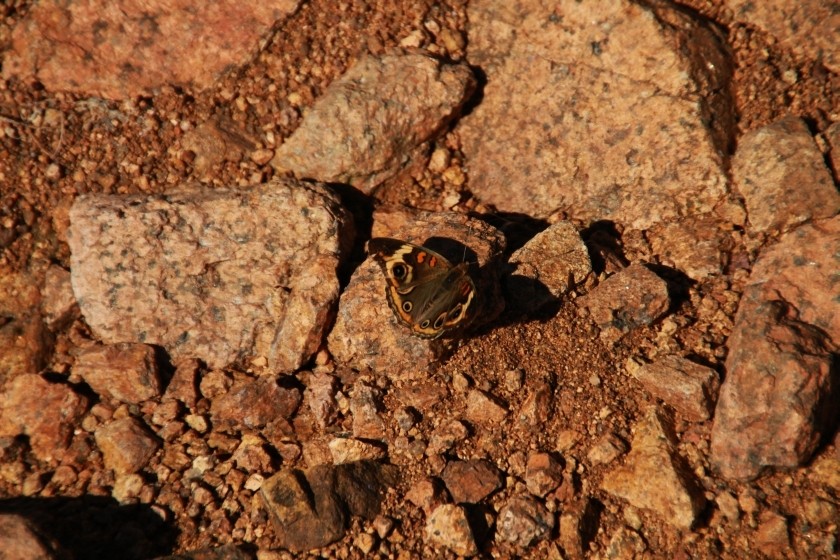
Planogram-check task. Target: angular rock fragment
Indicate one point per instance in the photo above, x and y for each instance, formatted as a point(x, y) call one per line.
point(632, 298)
point(58, 302)
point(46, 412)
point(26, 344)
point(523, 521)
point(123, 372)
point(221, 275)
point(550, 264)
point(654, 477)
point(690, 388)
point(781, 173)
point(780, 392)
point(126, 445)
point(448, 526)
point(485, 409)
point(543, 473)
point(310, 509)
point(471, 481)
point(20, 540)
point(371, 121)
point(253, 403)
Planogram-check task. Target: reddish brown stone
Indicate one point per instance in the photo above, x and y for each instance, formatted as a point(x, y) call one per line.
point(126, 445)
point(690, 388)
point(485, 409)
point(365, 402)
point(124, 372)
point(544, 77)
point(654, 477)
point(26, 344)
point(369, 122)
point(58, 302)
point(630, 299)
point(253, 404)
point(781, 173)
point(184, 383)
point(780, 392)
point(46, 412)
point(212, 274)
point(523, 521)
point(449, 527)
point(20, 540)
point(99, 48)
point(543, 473)
point(427, 493)
point(471, 481)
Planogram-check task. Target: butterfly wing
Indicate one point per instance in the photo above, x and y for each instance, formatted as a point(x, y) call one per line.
point(425, 291)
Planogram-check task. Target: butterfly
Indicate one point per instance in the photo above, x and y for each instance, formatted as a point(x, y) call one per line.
point(426, 292)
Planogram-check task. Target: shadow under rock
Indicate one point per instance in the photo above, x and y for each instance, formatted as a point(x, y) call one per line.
point(96, 527)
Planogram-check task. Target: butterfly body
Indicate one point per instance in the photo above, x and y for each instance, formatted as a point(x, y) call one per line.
point(426, 292)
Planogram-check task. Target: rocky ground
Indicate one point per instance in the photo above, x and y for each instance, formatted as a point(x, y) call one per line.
point(197, 357)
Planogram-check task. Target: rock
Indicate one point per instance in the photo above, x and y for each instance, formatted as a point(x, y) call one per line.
point(654, 477)
point(777, 399)
point(45, 412)
point(253, 403)
point(364, 405)
point(772, 537)
point(347, 450)
point(547, 267)
point(782, 176)
point(126, 445)
point(20, 540)
point(695, 245)
point(805, 30)
point(306, 513)
point(58, 304)
point(372, 120)
point(27, 344)
point(690, 388)
point(212, 274)
point(127, 488)
point(427, 493)
point(625, 544)
point(447, 526)
point(832, 136)
point(320, 397)
point(366, 332)
point(310, 509)
point(445, 436)
point(533, 413)
point(98, 48)
point(632, 298)
point(485, 409)
point(251, 455)
point(550, 68)
point(826, 472)
point(606, 450)
point(570, 535)
point(211, 144)
point(124, 372)
point(543, 474)
point(224, 552)
point(184, 383)
point(728, 505)
point(523, 521)
point(471, 481)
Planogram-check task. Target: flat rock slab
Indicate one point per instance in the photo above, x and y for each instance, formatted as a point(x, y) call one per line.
point(371, 120)
point(780, 392)
point(223, 275)
point(126, 49)
point(603, 104)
